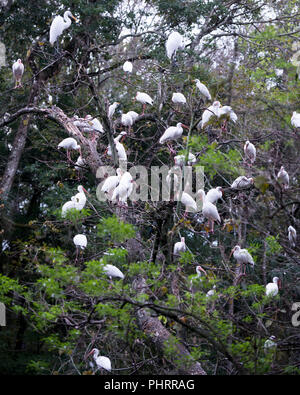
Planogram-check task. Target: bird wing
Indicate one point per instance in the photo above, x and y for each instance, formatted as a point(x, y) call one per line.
point(205, 92)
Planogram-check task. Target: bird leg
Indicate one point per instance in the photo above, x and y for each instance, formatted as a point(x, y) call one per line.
point(144, 107)
point(77, 251)
point(171, 149)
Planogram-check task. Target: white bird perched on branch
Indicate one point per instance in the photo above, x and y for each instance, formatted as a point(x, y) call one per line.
point(269, 343)
point(79, 163)
point(250, 152)
point(272, 288)
point(111, 182)
point(179, 246)
point(187, 200)
point(211, 111)
point(214, 194)
point(292, 236)
point(113, 271)
point(203, 89)
point(173, 43)
point(242, 182)
point(59, 24)
point(211, 292)
point(94, 125)
point(101, 362)
point(124, 189)
point(71, 204)
point(179, 159)
point(18, 70)
point(242, 256)
point(227, 110)
point(69, 143)
point(283, 177)
point(126, 120)
point(80, 241)
point(119, 147)
point(209, 210)
point(80, 198)
point(169, 178)
point(112, 109)
point(173, 133)
point(127, 67)
point(178, 98)
point(144, 98)
point(134, 115)
point(295, 120)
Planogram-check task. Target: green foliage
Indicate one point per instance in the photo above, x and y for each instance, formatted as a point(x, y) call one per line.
point(116, 230)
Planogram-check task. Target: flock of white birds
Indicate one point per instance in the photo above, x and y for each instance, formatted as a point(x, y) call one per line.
point(118, 188)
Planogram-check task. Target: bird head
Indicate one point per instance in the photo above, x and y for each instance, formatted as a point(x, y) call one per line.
point(236, 248)
point(220, 189)
point(94, 351)
point(200, 269)
point(217, 104)
point(183, 125)
point(82, 189)
point(69, 13)
point(19, 61)
point(201, 194)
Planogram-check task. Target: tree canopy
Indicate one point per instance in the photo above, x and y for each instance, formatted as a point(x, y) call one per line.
point(61, 302)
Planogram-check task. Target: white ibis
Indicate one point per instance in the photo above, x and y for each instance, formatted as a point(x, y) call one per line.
point(272, 288)
point(79, 163)
point(126, 120)
point(283, 177)
point(144, 98)
point(209, 210)
point(198, 276)
point(112, 109)
point(80, 198)
point(113, 271)
point(169, 178)
point(211, 111)
point(59, 24)
point(101, 362)
point(18, 70)
point(69, 143)
point(80, 242)
point(250, 152)
point(214, 194)
point(111, 182)
point(134, 115)
point(124, 189)
point(295, 120)
point(94, 125)
point(242, 256)
point(178, 98)
point(242, 182)
point(172, 133)
point(71, 204)
point(127, 67)
point(269, 343)
point(211, 292)
point(227, 110)
point(174, 42)
point(179, 246)
point(292, 235)
point(119, 147)
point(188, 201)
point(203, 89)
point(179, 159)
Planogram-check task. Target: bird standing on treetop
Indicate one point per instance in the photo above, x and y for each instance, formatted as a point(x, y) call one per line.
point(283, 177)
point(242, 257)
point(214, 194)
point(203, 89)
point(174, 42)
point(179, 246)
point(101, 362)
point(272, 288)
point(69, 143)
point(295, 120)
point(18, 70)
point(112, 109)
point(144, 98)
point(173, 133)
point(209, 210)
point(250, 152)
point(178, 98)
point(292, 236)
point(242, 182)
point(59, 24)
